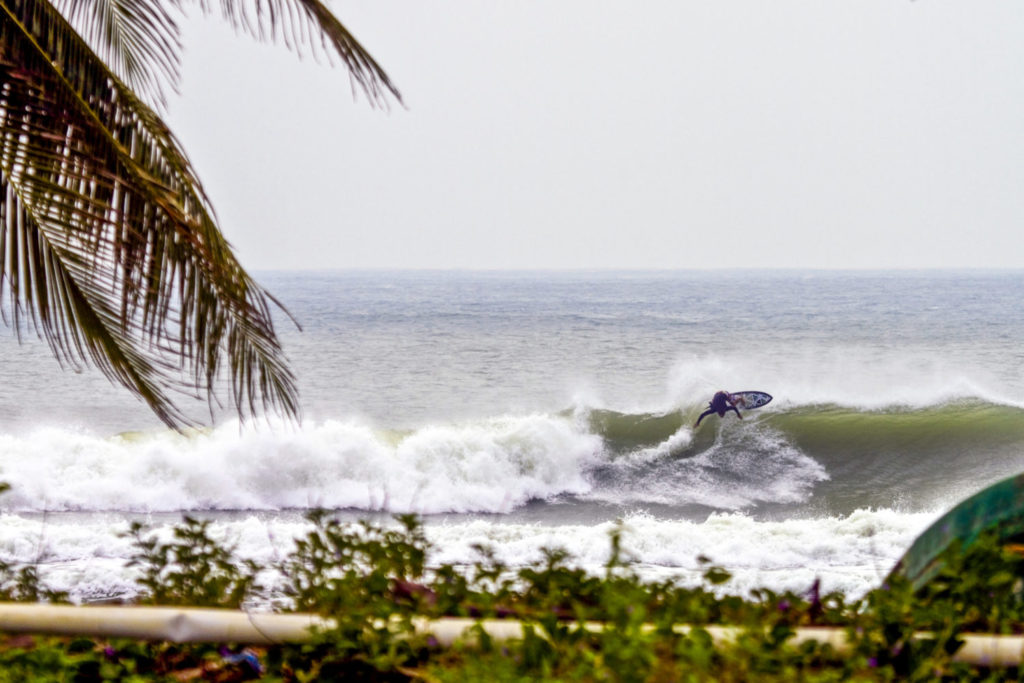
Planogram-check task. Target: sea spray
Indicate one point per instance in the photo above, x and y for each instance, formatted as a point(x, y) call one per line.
point(858, 376)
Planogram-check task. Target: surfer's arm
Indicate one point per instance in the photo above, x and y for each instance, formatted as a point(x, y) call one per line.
point(736, 410)
point(702, 416)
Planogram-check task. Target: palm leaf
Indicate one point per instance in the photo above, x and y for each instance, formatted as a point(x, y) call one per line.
point(108, 245)
point(141, 40)
point(309, 24)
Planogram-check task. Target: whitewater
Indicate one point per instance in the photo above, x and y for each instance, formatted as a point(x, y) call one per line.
point(524, 410)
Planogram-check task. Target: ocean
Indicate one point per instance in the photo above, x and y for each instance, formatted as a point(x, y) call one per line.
point(525, 410)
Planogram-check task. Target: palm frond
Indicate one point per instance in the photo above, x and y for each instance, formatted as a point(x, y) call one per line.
point(108, 244)
point(308, 24)
point(139, 39)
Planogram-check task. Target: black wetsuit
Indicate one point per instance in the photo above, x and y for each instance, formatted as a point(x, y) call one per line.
point(720, 403)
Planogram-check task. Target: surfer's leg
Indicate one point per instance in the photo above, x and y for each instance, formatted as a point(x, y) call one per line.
point(703, 415)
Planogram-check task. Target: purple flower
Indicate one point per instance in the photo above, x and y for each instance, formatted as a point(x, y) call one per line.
point(873, 662)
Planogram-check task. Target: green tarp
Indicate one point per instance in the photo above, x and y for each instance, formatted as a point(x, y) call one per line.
point(998, 508)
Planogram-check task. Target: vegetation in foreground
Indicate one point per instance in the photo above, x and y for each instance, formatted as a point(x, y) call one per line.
point(365, 576)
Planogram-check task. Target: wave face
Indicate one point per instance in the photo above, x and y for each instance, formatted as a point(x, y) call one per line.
point(825, 458)
point(796, 460)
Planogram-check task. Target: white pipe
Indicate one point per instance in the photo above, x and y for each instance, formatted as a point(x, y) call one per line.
point(195, 625)
point(175, 624)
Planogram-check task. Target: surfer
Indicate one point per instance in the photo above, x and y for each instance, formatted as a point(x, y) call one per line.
point(720, 403)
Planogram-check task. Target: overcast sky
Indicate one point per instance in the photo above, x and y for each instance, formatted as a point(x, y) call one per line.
point(600, 134)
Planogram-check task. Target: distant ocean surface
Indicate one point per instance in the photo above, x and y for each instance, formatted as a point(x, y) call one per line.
point(533, 409)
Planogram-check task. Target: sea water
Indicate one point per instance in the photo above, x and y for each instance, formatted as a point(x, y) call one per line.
point(525, 410)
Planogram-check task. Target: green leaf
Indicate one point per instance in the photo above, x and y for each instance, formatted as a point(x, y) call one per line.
point(108, 244)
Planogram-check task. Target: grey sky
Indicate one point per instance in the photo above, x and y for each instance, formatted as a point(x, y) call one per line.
point(599, 134)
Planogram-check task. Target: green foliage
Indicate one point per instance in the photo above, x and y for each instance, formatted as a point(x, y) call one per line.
point(364, 577)
point(977, 590)
point(23, 584)
point(373, 580)
point(191, 569)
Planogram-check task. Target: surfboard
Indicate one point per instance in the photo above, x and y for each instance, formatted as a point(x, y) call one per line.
point(750, 399)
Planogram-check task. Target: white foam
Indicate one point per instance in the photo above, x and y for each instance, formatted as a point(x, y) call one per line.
point(850, 554)
point(493, 465)
point(86, 554)
point(644, 457)
point(747, 464)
